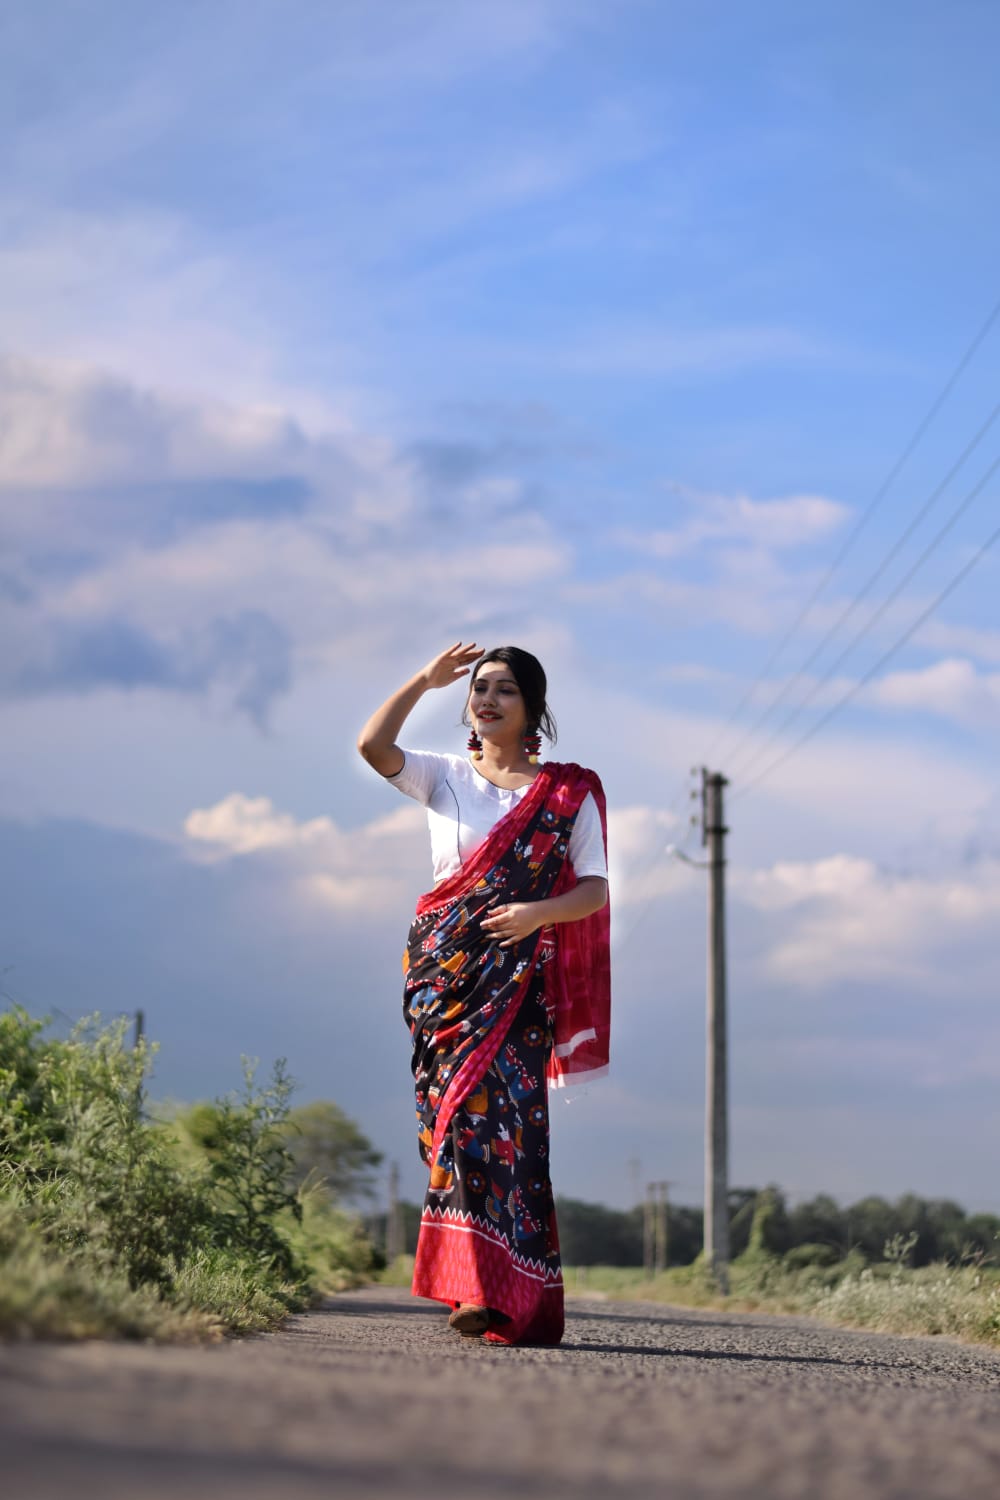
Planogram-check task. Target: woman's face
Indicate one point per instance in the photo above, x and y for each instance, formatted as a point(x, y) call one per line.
point(495, 704)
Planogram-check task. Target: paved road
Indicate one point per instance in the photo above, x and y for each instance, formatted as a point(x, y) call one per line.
point(374, 1396)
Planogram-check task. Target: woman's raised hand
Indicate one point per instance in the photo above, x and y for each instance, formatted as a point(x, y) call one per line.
point(452, 664)
point(378, 741)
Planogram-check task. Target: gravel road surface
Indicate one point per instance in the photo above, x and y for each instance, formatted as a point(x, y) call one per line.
point(373, 1395)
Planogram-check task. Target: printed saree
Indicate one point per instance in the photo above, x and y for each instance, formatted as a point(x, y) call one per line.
point(491, 1028)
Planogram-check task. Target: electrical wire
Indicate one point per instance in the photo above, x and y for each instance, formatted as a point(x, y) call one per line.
point(890, 599)
point(863, 521)
point(886, 656)
point(860, 596)
point(673, 849)
point(848, 544)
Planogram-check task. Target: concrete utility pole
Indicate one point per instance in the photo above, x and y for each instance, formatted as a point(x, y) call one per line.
point(394, 1220)
point(647, 1231)
point(716, 1243)
point(139, 1031)
point(660, 1232)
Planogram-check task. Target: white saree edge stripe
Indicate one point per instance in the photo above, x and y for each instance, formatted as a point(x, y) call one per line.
point(564, 1081)
point(566, 1049)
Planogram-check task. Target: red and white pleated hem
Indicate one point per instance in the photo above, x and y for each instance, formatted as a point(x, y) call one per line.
point(462, 1258)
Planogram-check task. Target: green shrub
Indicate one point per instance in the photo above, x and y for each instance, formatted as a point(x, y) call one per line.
point(244, 1140)
point(111, 1223)
point(809, 1255)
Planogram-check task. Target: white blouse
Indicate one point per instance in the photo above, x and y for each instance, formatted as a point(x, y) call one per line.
point(462, 807)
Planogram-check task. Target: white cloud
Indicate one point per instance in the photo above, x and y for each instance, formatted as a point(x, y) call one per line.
point(846, 918)
point(320, 865)
point(971, 640)
point(137, 290)
point(728, 520)
point(641, 867)
point(951, 689)
point(324, 592)
point(182, 514)
point(245, 825)
point(343, 868)
point(68, 423)
point(744, 586)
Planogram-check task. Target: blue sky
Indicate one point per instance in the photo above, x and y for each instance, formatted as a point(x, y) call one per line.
point(331, 334)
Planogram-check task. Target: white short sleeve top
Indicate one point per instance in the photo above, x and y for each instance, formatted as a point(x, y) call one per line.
point(462, 807)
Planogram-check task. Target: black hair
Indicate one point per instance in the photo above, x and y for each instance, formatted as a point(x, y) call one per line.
point(529, 674)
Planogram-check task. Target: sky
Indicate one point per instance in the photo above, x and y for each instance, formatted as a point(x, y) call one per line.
point(635, 335)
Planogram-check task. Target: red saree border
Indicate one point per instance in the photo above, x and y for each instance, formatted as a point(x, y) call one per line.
point(460, 1251)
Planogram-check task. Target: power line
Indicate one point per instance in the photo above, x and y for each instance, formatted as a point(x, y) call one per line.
point(861, 595)
point(856, 640)
point(873, 505)
point(887, 656)
point(675, 848)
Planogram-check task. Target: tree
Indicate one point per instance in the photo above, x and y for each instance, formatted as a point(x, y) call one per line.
point(742, 1202)
point(872, 1223)
point(592, 1235)
point(769, 1233)
point(328, 1147)
point(820, 1221)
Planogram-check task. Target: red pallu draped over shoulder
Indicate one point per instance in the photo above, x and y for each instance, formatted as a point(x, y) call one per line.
point(579, 981)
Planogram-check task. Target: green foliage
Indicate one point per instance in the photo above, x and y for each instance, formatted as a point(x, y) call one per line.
point(242, 1293)
point(761, 1226)
point(329, 1243)
point(589, 1233)
point(742, 1202)
point(810, 1254)
point(327, 1149)
point(899, 1250)
point(45, 1293)
point(770, 1234)
point(244, 1140)
point(819, 1222)
point(112, 1222)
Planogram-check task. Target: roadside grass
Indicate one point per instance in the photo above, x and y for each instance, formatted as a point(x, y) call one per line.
point(398, 1272)
point(888, 1296)
point(112, 1223)
point(960, 1302)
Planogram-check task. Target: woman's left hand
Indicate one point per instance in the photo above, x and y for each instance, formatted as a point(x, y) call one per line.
point(515, 922)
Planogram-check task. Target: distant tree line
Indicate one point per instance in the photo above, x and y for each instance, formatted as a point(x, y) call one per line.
point(761, 1221)
point(937, 1229)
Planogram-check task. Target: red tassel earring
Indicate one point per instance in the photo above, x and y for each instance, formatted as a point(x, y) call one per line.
point(475, 746)
point(532, 745)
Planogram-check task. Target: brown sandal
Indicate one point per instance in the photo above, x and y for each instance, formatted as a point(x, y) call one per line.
point(469, 1320)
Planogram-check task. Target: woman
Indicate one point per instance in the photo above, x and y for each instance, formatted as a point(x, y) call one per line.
point(507, 985)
